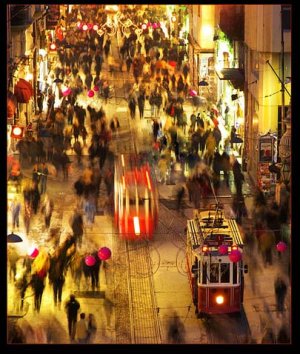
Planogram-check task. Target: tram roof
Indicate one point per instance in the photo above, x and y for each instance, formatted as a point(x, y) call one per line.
point(211, 225)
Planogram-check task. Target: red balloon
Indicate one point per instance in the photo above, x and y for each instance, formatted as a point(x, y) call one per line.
point(223, 249)
point(96, 88)
point(90, 260)
point(235, 256)
point(91, 93)
point(281, 246)
point(104, 253)
point(67, 92)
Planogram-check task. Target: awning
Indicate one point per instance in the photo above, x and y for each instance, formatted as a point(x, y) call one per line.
point(23, 91)
point(235, 76)
point(11, 104)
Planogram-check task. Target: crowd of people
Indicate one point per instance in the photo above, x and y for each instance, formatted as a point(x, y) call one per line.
point(202, 142)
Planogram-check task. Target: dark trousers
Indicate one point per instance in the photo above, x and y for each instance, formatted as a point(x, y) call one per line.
point(72, 326)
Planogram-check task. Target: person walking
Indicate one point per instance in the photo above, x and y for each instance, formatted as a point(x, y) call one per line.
point(72, 306)
point(77, 226)
point(47, 209)
point(15, 208)
point(82, 329)
point(44, 177)
point(92, 328)
point(280, 288)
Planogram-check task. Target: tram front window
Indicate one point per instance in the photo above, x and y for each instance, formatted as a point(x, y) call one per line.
point(225, 272)
point(214, 273)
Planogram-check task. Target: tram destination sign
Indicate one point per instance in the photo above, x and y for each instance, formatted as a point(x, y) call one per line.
point(216, 240)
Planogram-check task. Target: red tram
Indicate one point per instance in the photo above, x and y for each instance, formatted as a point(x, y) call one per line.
point(135, 198)
point(215, 266)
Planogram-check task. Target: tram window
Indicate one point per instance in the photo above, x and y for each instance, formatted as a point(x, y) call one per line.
point(234, 273)
point(204, 272)
point(214, 273)
point(225, 272)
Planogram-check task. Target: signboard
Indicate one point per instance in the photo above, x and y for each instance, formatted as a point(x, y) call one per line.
point(266, 148)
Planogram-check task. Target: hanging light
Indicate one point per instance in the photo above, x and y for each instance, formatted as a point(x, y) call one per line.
point(95, 27)
point(85, 27)
point(14, 238)
point(17, 132)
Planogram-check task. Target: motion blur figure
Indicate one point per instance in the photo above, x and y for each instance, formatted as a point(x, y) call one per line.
point(176, 330)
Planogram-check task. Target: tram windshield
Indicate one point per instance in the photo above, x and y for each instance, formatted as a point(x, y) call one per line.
point(217, 273)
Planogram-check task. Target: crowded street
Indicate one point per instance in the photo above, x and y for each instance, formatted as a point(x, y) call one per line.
point(114, 88)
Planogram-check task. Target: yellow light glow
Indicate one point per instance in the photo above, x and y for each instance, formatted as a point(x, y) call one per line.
point(207, 30)
point(42, 52)
point(234, 247)
point(123, 181)
point(122, 159)
point(17, 131)
point(113, 8)
point(148, 180)
point(204, 249)
point(220, 299)
point(136, 224)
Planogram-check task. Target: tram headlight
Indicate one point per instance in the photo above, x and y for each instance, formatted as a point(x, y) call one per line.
point(136, 225)
point(219, 299)
point(234, 247)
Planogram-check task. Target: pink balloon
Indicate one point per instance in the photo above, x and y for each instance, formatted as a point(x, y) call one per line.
point(235, 256)
point(104, 253)
point(96, 88)
point(281, 246)
point(67, 92)
point(223, 249)
point(90, 260)
point(91, 93)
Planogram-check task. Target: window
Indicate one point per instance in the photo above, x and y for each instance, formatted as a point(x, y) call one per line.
point(204, 273)
point(225, 272)
point(234, 273)
point(214, 273)
point(286, 17)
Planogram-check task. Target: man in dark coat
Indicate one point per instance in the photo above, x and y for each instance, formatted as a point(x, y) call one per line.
point(72, 307)
point(280, 288)
point(77, 226)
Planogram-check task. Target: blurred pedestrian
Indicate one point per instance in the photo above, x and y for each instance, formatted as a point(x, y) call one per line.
point(44, 177)
point(280, 288)
point(47, 209)
point(13, 257)
point(77, 226)
point(92, 328)
point(72, 306)
point(238, 176)
point(283, 336)
point(176, 330)
point(37, 283)
point(27, 216)
point(78, 150)
point(15, 208)
point(82, 329)
point(179, 197)
point(268, 337)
